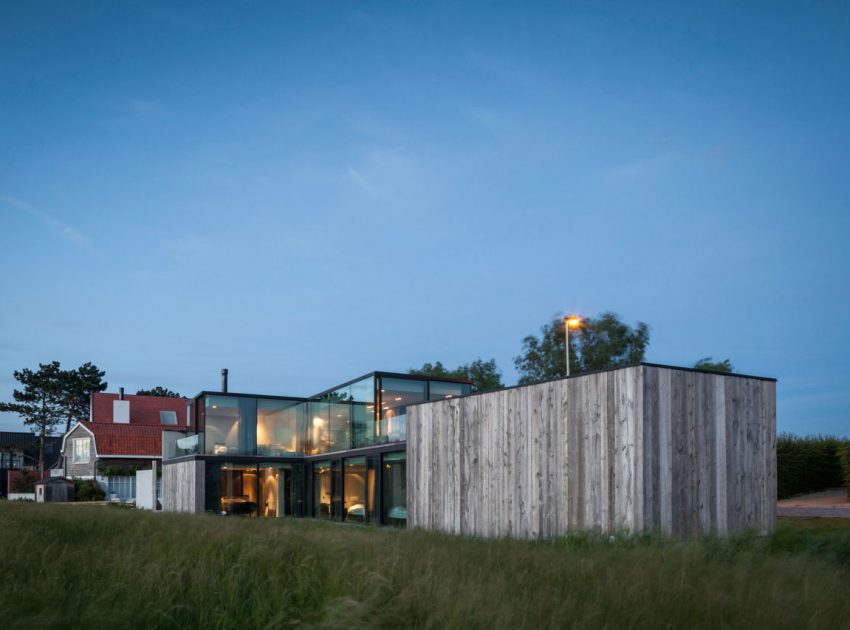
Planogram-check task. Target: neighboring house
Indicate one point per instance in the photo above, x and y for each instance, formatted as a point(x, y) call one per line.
point(636, 448)
point(19, 453)
point(123, 431)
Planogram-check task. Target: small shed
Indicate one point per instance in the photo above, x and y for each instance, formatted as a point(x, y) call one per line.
point(54, 490)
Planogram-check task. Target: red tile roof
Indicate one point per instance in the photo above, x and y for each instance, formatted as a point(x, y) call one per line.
point(126, 439)
point(143, 409)
point(143, 435)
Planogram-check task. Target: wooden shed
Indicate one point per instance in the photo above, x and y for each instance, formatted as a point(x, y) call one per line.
point(640, 448)
point(54, 490)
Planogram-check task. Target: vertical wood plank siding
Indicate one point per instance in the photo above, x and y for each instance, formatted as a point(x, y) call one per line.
point(183, 485)
point(634, 449)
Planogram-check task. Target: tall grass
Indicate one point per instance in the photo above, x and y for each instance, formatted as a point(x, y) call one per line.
point(99, 567)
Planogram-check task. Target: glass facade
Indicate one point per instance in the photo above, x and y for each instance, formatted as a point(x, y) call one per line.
point(354, 484)
point(394, 488)
point(322, 489)
point(396, 395)
point(281, 427)
point(262, 451)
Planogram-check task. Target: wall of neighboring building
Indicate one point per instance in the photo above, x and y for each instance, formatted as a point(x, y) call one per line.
point(86, 469)
point(638, 448)
point(183, 486)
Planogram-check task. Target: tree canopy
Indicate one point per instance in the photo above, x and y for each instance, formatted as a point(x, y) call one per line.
point(707, 363)
point(78, 386)
point(485, 375)
point(51, 394)
point(158, 391)
point(599, 343)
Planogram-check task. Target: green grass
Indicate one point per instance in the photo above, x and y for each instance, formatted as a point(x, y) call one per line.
point(99, 567)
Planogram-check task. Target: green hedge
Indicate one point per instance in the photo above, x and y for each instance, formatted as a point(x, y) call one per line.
point(844, 456)
point(88, 490)
point(807, 464)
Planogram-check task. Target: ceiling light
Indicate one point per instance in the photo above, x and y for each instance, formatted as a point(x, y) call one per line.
point(398, 397)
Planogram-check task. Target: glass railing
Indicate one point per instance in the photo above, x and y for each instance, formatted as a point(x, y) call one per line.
point(178, 444)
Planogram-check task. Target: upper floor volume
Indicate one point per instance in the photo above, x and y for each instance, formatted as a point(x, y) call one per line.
point(365, 412)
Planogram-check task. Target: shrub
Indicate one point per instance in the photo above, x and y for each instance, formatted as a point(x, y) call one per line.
point(807, 464)
point(24, 483)
point(844, 456)
point(88, 490)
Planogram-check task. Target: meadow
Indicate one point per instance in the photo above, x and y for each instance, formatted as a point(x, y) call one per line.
point(98, 567)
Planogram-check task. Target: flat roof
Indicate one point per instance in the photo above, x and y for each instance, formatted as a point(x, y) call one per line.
point(377, 373)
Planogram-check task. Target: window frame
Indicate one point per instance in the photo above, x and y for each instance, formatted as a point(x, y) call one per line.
point(76, 458)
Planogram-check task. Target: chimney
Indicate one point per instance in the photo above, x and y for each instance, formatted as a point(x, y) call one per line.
point(188, 413)
point(223, 380)
point(121, 409)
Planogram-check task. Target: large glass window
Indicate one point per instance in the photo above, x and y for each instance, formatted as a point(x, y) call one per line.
point(364, 430)
point(275, 490)
point(394, 488)
point(322, 489)
point(319, 427)
point(239, 490)
point(440, 390)
point(354, 484)
point(339, 412)
point(396, 394)
point(230, 425)
point(280, 427)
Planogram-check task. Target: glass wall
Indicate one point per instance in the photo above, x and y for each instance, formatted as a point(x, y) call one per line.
point(230, 425)
point(440, 390)
point(348, 417)
point(238, 489)
point(364, 430)
point(396, 394)
point(373, 469)
point(394, 488)
point(281, 427)
point(354, 483)
point(322, 489)
point(275, 490)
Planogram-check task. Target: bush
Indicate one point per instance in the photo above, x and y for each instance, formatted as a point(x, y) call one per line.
point(807, 464)
point(24, 483)
point(844, 456)
point(88, 490)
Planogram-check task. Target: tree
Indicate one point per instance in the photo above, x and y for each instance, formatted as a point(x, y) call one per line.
point(485, 376)
point(78, 386)
point(706, 363)
point(603, 342)
point(158, 391)
point(40, 402)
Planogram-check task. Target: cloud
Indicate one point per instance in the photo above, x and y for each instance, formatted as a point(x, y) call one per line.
point(52, 223)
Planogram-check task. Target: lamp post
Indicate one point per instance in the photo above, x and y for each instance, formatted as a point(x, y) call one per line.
point(570, 321)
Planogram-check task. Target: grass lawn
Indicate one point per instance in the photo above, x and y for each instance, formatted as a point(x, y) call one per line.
point(96, 567)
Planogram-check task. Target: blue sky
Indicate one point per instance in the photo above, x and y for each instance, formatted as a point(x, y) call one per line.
point(304, 192)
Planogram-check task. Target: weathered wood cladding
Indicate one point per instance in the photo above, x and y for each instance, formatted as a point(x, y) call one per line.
point(183, 485)
point(639, 448)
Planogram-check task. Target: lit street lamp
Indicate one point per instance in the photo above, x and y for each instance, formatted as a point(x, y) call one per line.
point(570, 321)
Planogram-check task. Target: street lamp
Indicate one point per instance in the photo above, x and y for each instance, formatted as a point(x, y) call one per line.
point(570, 321)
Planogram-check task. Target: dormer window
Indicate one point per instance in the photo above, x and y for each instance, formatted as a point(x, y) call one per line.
point(168, 417)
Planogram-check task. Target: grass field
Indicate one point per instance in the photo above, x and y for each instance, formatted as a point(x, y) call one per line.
point(98, 567)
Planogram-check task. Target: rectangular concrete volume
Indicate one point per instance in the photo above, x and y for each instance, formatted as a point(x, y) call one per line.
point(642, 448)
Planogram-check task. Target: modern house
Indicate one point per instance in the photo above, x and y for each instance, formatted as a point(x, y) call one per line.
point(638, 448)
point(123, 433)
point(338, 455)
